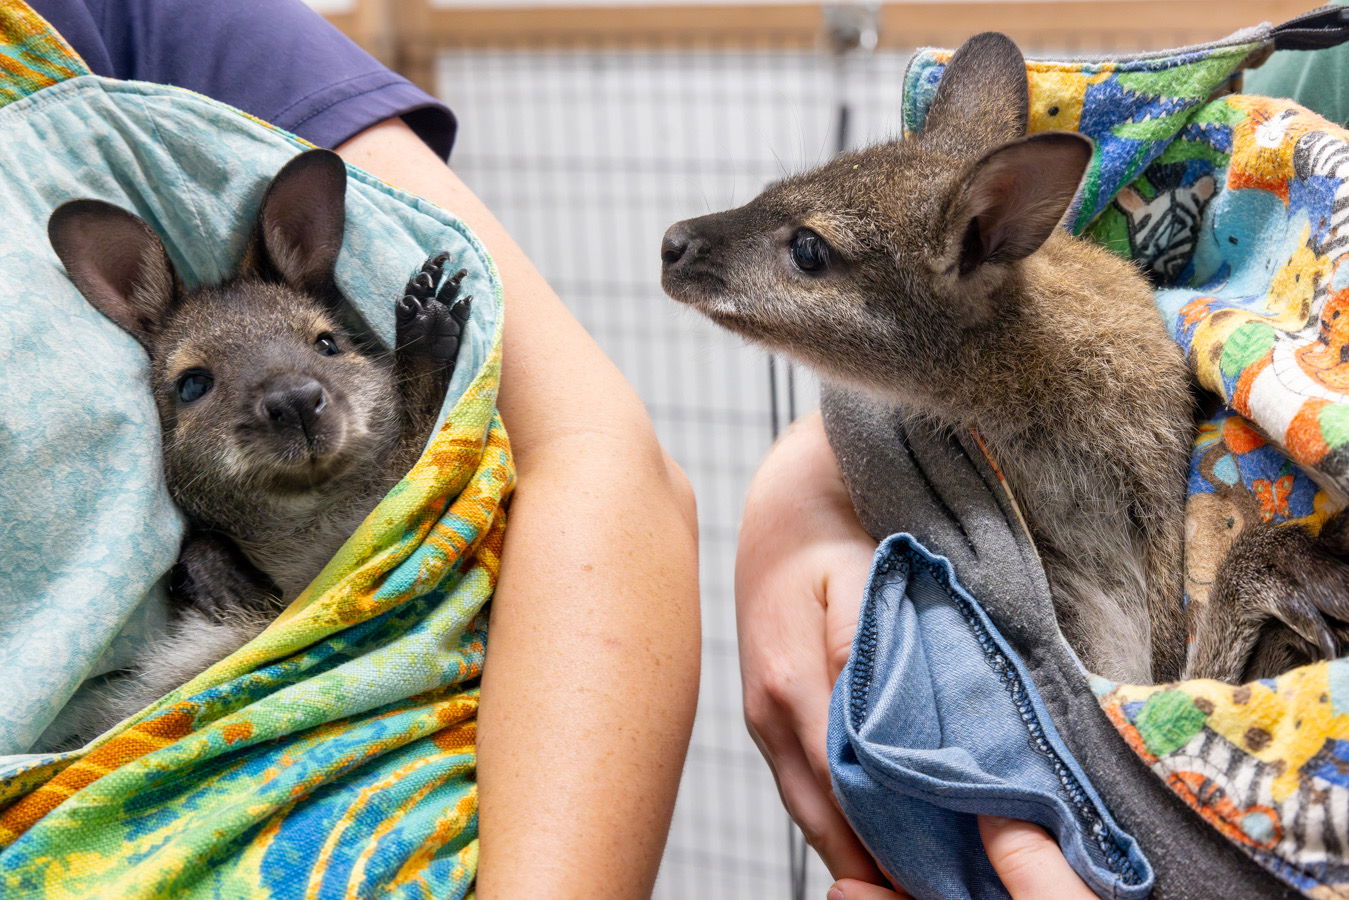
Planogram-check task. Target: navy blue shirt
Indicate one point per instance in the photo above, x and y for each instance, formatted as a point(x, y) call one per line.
point(276, 59)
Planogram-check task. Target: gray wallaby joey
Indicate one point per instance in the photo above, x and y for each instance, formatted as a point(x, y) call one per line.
point(931, 272)
point(283, 421)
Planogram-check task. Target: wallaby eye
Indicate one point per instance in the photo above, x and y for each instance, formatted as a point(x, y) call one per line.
point(809, 252)
point(327, 345)
point(193, 384)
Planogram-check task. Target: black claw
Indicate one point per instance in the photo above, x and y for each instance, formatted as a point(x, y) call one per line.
point(450, 289)
point(461, 309)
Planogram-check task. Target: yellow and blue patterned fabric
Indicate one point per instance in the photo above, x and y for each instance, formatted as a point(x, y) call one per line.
point(1236, 206)
point(334, 755)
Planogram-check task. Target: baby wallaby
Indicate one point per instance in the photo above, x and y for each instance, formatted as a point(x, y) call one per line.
point(931, 271)
point(283, 422)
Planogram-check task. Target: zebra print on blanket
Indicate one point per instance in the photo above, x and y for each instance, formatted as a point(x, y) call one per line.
point(1164, 229)
point(1320, 155)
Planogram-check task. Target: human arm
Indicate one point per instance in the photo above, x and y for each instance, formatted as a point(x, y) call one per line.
point(800, 573)
point(591, 677)
point(800, 570)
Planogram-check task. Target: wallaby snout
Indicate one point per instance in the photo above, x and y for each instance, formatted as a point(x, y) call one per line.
point(688, 246)
point(699, 255)
point(678, 241)
point(294, 402)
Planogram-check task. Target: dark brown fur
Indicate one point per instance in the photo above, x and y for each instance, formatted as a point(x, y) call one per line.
point(287, 509)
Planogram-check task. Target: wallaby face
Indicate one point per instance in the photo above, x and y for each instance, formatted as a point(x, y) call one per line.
point(261, 391)
point(282, 424)
point(905, 244)
point(263, 396)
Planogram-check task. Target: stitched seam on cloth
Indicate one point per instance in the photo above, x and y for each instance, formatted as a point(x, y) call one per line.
point(323, 109)
point(177, 173)
point(1238, 43)
point(58, 93)
point(860, 683)
point(327, 87)
point(1116, 858)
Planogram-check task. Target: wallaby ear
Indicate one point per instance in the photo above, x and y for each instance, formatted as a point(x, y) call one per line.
point(1014, 197)
point(983, 98)
point(300, 223)
point(118, 263)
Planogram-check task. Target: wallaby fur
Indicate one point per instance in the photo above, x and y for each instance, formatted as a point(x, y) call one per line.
point(931, 272)
point(1280, 599)
point(948, 289)
point(304, 423)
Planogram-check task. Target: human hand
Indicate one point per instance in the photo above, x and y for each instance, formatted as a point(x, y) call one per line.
point(1026, 858)
point(800, 571)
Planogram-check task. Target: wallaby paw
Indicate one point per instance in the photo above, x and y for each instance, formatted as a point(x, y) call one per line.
point(214, 578)
point(1280, 599)
point(431, 319)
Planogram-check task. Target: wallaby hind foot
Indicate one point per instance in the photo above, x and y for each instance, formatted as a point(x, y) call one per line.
point(1280, 600)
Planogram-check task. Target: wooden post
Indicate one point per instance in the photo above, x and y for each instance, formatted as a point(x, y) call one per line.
point(415, 42)
point(1063, 24)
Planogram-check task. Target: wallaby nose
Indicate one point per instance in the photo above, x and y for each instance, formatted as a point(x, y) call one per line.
point(675, 244)
point(293, 401)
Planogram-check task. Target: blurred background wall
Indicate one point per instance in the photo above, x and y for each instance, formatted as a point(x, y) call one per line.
point(589, 127)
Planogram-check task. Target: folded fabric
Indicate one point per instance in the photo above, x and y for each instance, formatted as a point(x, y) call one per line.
point(934, 720)
point(335, 753)
point(1319, 81)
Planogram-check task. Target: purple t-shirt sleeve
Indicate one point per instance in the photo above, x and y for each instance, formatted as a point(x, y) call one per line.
point(276, 59)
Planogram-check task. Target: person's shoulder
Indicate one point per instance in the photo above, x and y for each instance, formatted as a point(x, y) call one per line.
point(278, 60)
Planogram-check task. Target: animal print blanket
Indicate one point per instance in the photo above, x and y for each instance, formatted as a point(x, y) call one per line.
point(334, 755)
point(1238, 208)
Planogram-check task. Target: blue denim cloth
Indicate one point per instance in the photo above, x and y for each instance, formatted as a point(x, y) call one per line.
point(933, 720)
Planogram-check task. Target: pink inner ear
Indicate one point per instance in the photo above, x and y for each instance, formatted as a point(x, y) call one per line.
point(303, 218)
point(1020, 191)
point(117, 262)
